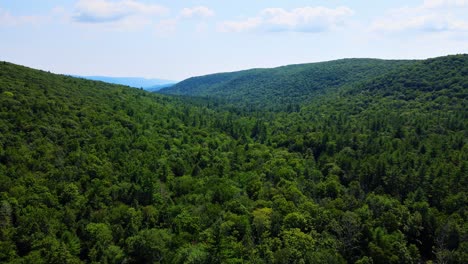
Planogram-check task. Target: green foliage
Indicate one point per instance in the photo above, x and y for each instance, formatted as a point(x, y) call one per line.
point(283, 88)
point(365, 161)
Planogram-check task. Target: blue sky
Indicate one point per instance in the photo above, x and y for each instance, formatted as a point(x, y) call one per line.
point(173, 39)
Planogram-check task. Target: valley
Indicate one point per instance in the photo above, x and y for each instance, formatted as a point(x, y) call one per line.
point(347, 161)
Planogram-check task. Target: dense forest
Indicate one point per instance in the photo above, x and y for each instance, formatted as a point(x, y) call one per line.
point(365, 161)
point(285, 87)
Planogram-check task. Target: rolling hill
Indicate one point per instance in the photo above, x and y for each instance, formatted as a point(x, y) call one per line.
point(278, 87)
point(373, 170)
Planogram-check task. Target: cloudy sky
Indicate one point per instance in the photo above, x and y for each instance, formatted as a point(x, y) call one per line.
point(176, 39)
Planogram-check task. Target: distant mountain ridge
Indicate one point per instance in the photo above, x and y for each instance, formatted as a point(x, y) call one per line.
point(158, 87)
point(137, 82)
point(284, 85)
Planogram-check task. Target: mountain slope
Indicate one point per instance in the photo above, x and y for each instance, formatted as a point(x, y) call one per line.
point(447, 73)
point(375, 172)
point(285, 85)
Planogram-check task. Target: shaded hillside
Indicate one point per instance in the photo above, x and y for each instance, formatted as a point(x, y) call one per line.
point(279, 87)
point(375, 172)
point(440, 77)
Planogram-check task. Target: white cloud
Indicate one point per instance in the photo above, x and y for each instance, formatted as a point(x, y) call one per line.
point(239, 26)
point(430, 16)
point(444, 3)
point(124, 12)
point(304, 19)
point(167, 26)
point(197, 12)
point(427, 23)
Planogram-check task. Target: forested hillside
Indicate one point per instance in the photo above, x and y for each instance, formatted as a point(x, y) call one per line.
point(283, 87)
point(372, 170)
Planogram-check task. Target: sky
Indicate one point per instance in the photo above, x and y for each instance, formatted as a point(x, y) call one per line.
point(177, 39)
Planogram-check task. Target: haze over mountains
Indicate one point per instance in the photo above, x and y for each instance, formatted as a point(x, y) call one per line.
point(348, 161)
point(136, 82)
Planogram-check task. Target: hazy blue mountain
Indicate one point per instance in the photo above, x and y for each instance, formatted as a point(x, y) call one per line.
point(159, 87)
point(137, 82)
